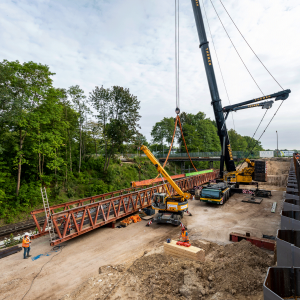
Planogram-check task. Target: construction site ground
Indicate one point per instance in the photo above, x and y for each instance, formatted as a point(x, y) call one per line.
point(129, 263)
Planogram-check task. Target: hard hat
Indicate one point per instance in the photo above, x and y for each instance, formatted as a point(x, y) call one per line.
point(26, 233)
point(182, 229)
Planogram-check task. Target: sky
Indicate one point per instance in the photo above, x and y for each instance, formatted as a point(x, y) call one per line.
point(132, 44)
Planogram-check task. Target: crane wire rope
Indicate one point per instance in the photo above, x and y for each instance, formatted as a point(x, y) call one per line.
point(218, 61)
point(235, 48)
point(177, 54)
point(242, 62)
point(177, 76)
point(169, 149)
point(266, 70)
point(250, 75)
point(248, 144)
point(177, 90)
point(256, 143)
point(186, 145)
point(250, 46)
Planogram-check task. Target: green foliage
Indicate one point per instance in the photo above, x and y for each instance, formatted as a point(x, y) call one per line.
point(243, 143)
point(47, 138)
point(118, 116)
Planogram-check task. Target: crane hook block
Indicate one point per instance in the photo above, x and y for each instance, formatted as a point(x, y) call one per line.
point(177, 110)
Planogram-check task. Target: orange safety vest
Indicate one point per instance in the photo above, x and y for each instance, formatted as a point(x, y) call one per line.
point(26, 242)
point(184, 235)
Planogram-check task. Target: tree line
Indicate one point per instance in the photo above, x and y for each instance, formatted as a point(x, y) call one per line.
point(48, 133)
point(200, 133)
point(62, 138)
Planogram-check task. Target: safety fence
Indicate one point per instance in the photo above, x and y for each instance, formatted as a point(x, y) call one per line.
point(77, 217)
point(283, 281)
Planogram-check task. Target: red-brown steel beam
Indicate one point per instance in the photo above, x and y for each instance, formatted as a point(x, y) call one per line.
point(258, 242)
point(109, 210)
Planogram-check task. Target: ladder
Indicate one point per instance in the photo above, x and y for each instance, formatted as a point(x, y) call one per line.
point(48, 214)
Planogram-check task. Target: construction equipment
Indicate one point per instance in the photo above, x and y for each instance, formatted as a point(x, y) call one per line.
point(232, 175)
point(256, 170)
point(170, 208)
point(217, 193)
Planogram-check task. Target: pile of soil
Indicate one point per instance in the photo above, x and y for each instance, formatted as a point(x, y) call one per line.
point(277, 171)
point(233, 271)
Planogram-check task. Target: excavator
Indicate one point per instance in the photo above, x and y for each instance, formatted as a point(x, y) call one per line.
point(170, 208)
point(256, 170)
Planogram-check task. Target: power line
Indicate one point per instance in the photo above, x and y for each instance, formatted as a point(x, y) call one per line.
point(218, 60)
point(235, 48)
point(249, 45)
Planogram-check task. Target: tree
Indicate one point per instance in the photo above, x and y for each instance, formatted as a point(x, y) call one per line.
point(163, 131)
point(24, 87)
point(95, 132)
point(78, 99)
point(118, 115)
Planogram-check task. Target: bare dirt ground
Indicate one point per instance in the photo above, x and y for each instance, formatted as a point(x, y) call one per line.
point(234, 271)
point(73, 273)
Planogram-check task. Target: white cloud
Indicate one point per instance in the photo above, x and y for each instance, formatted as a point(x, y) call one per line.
point(131, 43)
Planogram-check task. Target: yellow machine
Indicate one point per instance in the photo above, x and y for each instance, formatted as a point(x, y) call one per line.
point(244, 176)
point(170, 208)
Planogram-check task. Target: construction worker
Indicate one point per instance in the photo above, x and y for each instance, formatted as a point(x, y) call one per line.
point(26, 245)
point(185, 235)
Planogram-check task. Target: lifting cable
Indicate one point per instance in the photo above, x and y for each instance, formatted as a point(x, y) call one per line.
point(185, 144)
point(177, 90)
point(235, 48)
point(218, 60)
point(250, 46)
point(240, 56)
point(256, 143)
point(177, 56)
point(169, 150)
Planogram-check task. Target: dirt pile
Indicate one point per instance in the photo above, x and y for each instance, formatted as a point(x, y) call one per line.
point(234, 271)
point(277, 170)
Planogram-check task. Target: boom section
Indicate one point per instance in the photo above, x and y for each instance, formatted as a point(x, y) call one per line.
point(163, 172)
point(214, 93)
point(283, 95)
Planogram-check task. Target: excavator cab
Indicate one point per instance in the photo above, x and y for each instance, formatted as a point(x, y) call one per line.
point(159, 201)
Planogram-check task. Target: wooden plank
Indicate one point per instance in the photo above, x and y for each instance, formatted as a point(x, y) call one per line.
point(185, 254)
point(176, 254)
point(191, 252)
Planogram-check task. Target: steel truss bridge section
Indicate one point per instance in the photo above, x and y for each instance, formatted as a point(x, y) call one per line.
point(77, 217)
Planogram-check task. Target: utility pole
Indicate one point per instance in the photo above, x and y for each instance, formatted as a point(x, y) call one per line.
point(277, 144)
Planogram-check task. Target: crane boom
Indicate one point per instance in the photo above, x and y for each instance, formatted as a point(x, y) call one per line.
point(214, 92)
point(163, 172)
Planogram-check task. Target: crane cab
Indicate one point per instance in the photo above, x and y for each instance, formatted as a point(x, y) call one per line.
point(159, 201)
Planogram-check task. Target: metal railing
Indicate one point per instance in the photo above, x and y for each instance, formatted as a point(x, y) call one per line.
point(235, 154)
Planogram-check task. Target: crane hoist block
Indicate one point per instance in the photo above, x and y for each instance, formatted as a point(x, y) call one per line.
point(192, 252)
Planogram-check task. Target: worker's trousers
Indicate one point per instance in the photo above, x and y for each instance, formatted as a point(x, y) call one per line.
point(26, 251)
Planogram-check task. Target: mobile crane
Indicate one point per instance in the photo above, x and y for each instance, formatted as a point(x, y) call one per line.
point(232, 175)
point(170, 208)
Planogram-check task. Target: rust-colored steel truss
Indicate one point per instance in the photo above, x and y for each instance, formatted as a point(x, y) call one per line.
point(77, 217)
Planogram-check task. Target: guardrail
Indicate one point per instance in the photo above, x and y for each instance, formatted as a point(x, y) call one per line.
point(86, 214)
